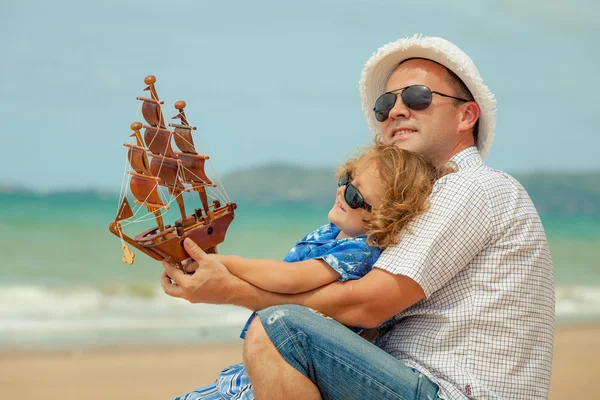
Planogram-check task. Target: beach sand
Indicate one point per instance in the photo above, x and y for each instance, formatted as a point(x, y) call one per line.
point(152, 372)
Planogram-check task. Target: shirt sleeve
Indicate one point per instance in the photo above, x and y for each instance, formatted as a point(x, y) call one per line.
point(352, 259)
point(443, 241)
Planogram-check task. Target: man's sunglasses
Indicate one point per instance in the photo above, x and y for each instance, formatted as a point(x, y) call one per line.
point(415, 97)
point(352, 196)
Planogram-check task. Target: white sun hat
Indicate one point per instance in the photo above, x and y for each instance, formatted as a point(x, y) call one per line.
point(384, 61)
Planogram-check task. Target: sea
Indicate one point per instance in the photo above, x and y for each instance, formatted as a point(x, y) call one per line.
point(63, 284)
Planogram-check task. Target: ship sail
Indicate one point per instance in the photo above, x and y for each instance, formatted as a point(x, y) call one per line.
point(193, 169)
point(156, 163)
point(138, 159)
point(164, 167)
point(192, 163)
point(144, 188)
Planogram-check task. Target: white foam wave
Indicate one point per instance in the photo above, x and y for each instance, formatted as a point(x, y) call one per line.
point(39, 316)
point(39, 302)
point(578, 302)
point(33, 308)
point(73, 301)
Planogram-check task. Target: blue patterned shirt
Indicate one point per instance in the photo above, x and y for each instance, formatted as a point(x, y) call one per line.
point(351, 257)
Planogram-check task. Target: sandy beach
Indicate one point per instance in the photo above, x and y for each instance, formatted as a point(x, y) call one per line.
point(161, 373)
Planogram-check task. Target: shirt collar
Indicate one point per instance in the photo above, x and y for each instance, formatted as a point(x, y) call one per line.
point(468, 158)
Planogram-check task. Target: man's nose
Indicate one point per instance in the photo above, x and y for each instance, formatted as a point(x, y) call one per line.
point(399, 110)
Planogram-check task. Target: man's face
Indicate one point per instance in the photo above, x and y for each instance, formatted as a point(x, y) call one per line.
point(432, 132)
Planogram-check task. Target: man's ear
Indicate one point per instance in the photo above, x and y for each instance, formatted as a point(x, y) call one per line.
point(469, 116)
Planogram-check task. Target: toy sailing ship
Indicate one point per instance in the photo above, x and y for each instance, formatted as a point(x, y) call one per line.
point(160, 175)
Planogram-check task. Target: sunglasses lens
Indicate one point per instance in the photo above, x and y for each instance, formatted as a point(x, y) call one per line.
point(417, 97)
point(384, 105)
point(353, 197)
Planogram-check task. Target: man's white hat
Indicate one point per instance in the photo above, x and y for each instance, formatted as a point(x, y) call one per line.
point(384, 61)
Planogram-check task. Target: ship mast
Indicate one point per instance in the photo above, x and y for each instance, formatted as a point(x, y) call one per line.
point(163, 168)
point(192, 163)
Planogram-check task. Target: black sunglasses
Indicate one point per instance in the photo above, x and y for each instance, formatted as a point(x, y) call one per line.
point(415, 97)
point(352, 196)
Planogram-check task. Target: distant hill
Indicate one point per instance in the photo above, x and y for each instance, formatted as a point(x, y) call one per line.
point(280, 182)
point(564, 193)
point(553, 193)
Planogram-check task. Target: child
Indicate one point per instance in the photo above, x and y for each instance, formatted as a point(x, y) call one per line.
point(380, 191)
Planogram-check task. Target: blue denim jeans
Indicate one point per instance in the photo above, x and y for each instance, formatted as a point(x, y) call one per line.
point(340, 363)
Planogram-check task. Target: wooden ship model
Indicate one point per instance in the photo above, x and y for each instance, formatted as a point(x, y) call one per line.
point(160, 175)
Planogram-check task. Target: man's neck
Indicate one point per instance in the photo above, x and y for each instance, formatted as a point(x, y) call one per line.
point(443, 159)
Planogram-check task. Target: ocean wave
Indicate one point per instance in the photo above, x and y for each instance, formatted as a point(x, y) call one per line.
point(577, 303)
point(84, 316)
point(54, 303)
point(75, 317)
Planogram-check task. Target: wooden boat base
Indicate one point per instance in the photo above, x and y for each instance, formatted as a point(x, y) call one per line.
point(207, 233)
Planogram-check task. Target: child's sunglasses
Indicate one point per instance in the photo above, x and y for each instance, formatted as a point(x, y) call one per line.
point(352, 196)
point(415, 97)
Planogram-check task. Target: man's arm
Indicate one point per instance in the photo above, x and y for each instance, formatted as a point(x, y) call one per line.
point(365, 302)
point(280, 276)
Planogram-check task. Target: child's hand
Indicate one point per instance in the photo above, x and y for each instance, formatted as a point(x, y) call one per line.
point(190, 265)
point(219, 258)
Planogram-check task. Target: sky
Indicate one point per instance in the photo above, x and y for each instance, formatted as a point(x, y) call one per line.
point(268, 81)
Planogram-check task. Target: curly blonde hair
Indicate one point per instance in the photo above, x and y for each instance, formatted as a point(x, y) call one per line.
point(407, 180)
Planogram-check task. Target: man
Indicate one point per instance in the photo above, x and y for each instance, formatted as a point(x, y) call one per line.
point(464, 304)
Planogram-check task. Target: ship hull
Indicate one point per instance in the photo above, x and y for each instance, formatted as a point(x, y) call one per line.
point(207, 233)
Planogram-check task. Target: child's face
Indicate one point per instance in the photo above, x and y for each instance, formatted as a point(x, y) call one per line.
point(350, 221)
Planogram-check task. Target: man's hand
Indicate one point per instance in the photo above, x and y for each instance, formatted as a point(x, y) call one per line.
point(210, 282)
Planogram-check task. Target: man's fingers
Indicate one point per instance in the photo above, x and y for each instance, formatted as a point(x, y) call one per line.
point(170, 288)
point(194, 250)
point(175, 273)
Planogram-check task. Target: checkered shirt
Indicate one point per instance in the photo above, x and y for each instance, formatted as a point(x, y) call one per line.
point(485, 329)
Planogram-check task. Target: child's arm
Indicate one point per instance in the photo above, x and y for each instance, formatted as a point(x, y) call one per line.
point(280, 276)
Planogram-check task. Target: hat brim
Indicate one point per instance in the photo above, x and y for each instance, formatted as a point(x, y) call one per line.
point(384, 61)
